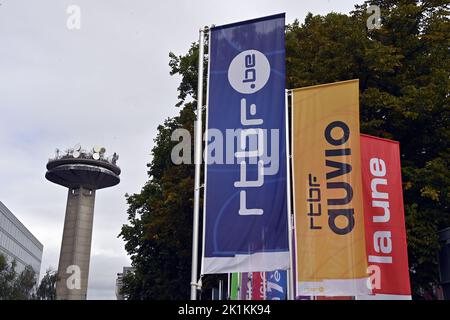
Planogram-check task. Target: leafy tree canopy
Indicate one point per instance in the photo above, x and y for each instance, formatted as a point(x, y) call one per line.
point(13, 285)
point(47, 287)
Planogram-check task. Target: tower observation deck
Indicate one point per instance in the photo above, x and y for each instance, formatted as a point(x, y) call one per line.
point(82, 172)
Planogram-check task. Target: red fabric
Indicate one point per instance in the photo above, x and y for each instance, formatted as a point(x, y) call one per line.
point(394, 264)
point(257, 286)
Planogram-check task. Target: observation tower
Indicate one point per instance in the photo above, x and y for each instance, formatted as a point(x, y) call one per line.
point(83, 173)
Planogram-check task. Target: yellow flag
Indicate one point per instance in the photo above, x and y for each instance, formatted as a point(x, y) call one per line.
point(329, 221)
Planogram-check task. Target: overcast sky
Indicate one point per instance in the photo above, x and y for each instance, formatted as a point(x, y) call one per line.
point(106, 84)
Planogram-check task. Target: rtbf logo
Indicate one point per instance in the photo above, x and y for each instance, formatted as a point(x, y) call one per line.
point(249, 72)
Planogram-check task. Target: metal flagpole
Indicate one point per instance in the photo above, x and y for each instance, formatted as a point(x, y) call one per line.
point(264, 285)
point(197, 161)
point(228, 287)
point(289, 209)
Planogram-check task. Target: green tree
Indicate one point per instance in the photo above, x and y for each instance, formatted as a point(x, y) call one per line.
point(7, 276)
point(24, 285)
point(13, 285)
point(47, 287)
point(404, 95)
point(158, 235)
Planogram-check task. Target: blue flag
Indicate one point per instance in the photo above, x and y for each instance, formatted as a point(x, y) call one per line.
point(245, 210)
point(276, 285)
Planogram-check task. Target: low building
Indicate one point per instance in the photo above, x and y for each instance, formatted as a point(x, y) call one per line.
point(119, 282)
point(17, 242)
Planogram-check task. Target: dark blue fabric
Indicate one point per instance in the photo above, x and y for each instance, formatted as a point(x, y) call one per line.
point(276, 285)
point(226, 232)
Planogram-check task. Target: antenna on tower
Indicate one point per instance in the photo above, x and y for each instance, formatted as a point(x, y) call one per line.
point(97, 152)
point(115, 157)
point(76, 153)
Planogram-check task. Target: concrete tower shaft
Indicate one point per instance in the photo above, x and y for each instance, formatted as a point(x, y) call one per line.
point(82, 173)
point(76, 245)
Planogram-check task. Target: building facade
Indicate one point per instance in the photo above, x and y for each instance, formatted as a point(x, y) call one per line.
point(17, 242)
point(119, 282)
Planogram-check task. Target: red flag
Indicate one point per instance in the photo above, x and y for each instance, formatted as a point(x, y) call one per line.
point(258, 286)
point(384, 219)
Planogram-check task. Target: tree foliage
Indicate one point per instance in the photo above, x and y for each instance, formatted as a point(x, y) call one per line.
point(404, 75)
point(47, 287)
point(158, 236)
point(13, 285)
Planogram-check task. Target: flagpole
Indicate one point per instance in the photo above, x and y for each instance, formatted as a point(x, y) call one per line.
point(264, 285)
point(197, 161)
point(289, 208)
point(228, 287)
